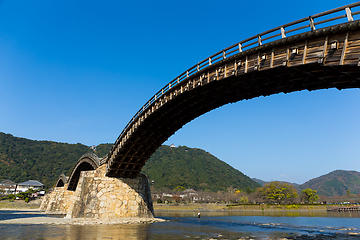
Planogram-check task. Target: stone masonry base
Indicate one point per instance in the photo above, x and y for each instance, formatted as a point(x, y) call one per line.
point(97, 196)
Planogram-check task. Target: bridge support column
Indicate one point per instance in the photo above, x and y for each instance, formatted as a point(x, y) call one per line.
point(57, 202)
point(97, 196)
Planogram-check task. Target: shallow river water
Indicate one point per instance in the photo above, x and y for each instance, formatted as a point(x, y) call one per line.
point(185, 225)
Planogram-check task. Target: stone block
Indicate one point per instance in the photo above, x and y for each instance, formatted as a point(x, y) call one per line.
point(102, 197)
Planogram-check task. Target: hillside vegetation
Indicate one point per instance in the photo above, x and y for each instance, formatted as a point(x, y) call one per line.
point(336, 183)
point(171, 167)
point(23, 159)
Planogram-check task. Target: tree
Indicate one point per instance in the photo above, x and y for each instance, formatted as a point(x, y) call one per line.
point(179, 188)
point(26, 195)
point(278, 192)
point(243, 199)
point(309, 195)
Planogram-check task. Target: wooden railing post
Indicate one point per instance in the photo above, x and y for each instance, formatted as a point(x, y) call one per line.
point(349, 14)
point(283, 32)
point(312, 24)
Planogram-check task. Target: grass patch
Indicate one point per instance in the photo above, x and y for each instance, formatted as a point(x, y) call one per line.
point(18, 205)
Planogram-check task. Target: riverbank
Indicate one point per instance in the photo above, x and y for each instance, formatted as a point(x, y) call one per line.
point(19, 204)
point(34, 216)
point(20, 212)
point(194, 207)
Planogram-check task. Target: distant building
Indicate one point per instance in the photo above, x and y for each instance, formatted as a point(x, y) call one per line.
point(172, 145)
point(24, 186)
point(93, 147)
point(8, 186)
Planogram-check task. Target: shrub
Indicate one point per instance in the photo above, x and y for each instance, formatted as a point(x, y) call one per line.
point(11, 197)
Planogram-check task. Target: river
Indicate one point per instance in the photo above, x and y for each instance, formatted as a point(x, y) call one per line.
point(211, 225)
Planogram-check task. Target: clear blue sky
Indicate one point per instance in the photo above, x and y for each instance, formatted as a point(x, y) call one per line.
point(77, 71)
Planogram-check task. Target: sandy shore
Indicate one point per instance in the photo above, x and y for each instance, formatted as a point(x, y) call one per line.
point(34, 216)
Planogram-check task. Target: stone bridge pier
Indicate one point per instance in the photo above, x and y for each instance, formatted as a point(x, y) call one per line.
point(98, 196)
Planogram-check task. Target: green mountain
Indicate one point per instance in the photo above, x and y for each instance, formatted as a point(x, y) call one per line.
point(262, 183)
point(171, 167)
point(103, 149)
point(23, 159)
point(259, 181)
point(335, 183)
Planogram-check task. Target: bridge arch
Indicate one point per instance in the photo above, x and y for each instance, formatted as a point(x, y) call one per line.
point(61, 181)
point(87, 162)
point(268, 63)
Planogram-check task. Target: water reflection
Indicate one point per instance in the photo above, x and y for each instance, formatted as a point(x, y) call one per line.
point(260, 213)
point(131, 232)
point(45, 232)
point(184, 225)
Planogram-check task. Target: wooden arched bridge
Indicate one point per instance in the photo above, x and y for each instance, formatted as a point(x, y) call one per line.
point(317, 52)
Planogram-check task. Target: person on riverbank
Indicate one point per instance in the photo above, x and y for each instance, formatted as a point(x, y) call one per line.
point(198, 214)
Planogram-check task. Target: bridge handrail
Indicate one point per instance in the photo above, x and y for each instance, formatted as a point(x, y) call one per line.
point(247, 44)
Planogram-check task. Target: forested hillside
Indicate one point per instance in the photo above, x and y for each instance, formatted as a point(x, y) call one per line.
point(103, 149)
point(336, 183)
point(23, 159)
point(193, 168)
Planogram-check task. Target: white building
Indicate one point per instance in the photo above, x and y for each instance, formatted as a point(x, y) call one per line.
point(8, 186)
point(24, 186)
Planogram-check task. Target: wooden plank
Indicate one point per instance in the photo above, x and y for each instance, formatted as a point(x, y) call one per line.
point(333, 59)
point(305, 52)
point(297, 57)
point(352, 62)
point(317, 42)
point(280, 56)
point(328, 63)
point(265, 64)
point(344, 49)
point(314, 55)
point(352, 56)
point(312, 49)
point(325, 47)
point(280, 49)
point(295, 63)
point(355, 35)
point(352, 49)
point(312, 60)
point(246, 64)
